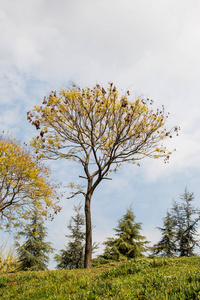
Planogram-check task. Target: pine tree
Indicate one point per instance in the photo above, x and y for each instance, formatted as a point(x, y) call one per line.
point(166, 246)
point(180, 229)
point(187, 225)
point(33, 253)
point(129, 242)
point(73, 256)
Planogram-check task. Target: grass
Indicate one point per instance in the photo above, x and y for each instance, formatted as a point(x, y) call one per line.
point(159, 278)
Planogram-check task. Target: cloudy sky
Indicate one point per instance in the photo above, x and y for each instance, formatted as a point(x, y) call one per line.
point(149, 47)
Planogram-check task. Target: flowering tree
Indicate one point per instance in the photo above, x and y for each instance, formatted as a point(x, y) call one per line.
point(24, 184)
point(99, 129)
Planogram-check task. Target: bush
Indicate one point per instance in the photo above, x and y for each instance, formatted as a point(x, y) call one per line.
point(8, 259)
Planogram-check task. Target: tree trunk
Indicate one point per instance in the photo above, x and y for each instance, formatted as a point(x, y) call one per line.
point(88, 244)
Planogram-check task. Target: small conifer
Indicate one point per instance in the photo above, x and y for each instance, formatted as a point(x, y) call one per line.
point(166, 246)
point(73, 256)
point(33, 253)
point(187, 225)
point(180, 229)
point(129, 242)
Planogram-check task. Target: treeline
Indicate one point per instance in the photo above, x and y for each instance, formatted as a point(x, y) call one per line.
point(178, 238)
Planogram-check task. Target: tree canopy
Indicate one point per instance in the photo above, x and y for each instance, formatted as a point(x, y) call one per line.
point(24, 184)
point(100, 129)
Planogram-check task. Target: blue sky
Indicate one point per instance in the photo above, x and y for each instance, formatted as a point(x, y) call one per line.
point(150, 47)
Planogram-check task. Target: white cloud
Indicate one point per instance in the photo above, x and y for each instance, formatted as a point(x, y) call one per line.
point(53, 41)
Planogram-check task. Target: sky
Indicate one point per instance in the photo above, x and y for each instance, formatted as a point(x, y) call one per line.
point(149, 47)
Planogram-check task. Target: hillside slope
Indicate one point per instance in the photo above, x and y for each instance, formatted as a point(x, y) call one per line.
point(159, 278)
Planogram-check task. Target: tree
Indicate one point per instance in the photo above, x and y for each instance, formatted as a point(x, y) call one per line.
point(180, 229)
point(186, 225)
point(98, 129)
point(129, 242)
point(73, 256)
point(166, 246)
point(33, 253)
point(24, 183)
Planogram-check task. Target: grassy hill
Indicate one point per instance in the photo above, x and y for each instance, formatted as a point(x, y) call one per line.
point(159, 278)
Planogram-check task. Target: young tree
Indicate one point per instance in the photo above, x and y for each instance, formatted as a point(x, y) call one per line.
point(166, 246)
point(129, 242)
point(186, 225)
point(73, 256)
point(24, 183)
point(98, 129)
point(180, 229)
point(33, 253)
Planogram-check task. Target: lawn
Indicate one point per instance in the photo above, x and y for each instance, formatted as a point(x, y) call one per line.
point(146, 278)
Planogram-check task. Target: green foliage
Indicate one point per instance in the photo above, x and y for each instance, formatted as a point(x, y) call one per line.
point(129, 242)
point(33, 253)
point(159, 278)
point(73, 256)
point(186, 225)
point(180, 229)
point(166, 246)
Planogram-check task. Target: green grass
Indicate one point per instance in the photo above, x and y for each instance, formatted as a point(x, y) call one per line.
point(159, 278)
